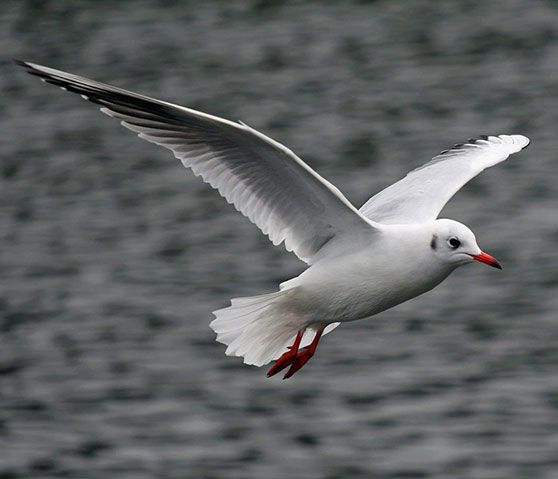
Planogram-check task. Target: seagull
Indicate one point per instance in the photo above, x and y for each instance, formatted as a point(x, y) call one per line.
point(360, 262)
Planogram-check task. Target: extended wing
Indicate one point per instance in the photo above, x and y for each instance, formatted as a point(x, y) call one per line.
point(421, 195)
point(264, 180)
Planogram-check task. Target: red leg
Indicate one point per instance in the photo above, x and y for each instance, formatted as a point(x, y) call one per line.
point(287, 358)
point(304, 355)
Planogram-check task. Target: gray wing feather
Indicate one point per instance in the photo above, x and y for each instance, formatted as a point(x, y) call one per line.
point(264, 180)
point(422, 194)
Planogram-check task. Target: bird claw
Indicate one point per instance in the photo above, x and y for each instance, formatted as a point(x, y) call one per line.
point(285, 360)
point(300, 360)
point(294, 357)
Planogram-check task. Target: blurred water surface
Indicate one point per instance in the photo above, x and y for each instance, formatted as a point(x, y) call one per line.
point(112, 256)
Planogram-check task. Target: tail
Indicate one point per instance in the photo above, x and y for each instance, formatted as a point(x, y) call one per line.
point(255, 328)
point(260, 328)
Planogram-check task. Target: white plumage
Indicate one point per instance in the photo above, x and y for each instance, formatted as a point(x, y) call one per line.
point(361, 261)
point(421, 195)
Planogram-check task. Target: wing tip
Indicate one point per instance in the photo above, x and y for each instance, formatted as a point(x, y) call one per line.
point(19, 62)
point(30, 67)
point(520, 142)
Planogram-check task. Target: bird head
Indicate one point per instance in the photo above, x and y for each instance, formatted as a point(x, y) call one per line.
point(456, 244)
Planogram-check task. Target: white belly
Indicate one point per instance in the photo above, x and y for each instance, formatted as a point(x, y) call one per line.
point(358, 286)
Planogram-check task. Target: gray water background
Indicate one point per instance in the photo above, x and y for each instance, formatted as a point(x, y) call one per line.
point(112, 256)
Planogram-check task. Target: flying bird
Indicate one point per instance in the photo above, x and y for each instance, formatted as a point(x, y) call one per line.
point(360, 262)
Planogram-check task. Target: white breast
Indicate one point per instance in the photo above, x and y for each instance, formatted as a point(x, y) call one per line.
point(366, 282)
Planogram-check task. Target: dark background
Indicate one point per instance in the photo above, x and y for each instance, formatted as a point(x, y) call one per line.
point(112, 256)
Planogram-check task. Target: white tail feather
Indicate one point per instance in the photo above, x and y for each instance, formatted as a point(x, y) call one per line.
point(256, 328)
point(260, 328)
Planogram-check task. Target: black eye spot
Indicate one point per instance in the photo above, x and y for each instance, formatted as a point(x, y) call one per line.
point(434, 242)
point(454, 242)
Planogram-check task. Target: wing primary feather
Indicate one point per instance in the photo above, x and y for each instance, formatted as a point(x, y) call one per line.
point(420, 196)
point(263, 179)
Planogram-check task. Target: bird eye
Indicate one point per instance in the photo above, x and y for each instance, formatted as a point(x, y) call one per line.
point(454, 242)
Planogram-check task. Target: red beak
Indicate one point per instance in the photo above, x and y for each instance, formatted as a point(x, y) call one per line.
point(487, 259)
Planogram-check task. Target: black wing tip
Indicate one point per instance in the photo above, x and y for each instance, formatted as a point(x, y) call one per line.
point(22, 63)
point(470, 141)
point(102, 94)
point(474, 141)
point(31, 68)
point(461, 146)
point(486, 138)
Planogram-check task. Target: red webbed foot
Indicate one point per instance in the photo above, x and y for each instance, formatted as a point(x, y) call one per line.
point(286, 358)
point(301, 359)
point(294, 357)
